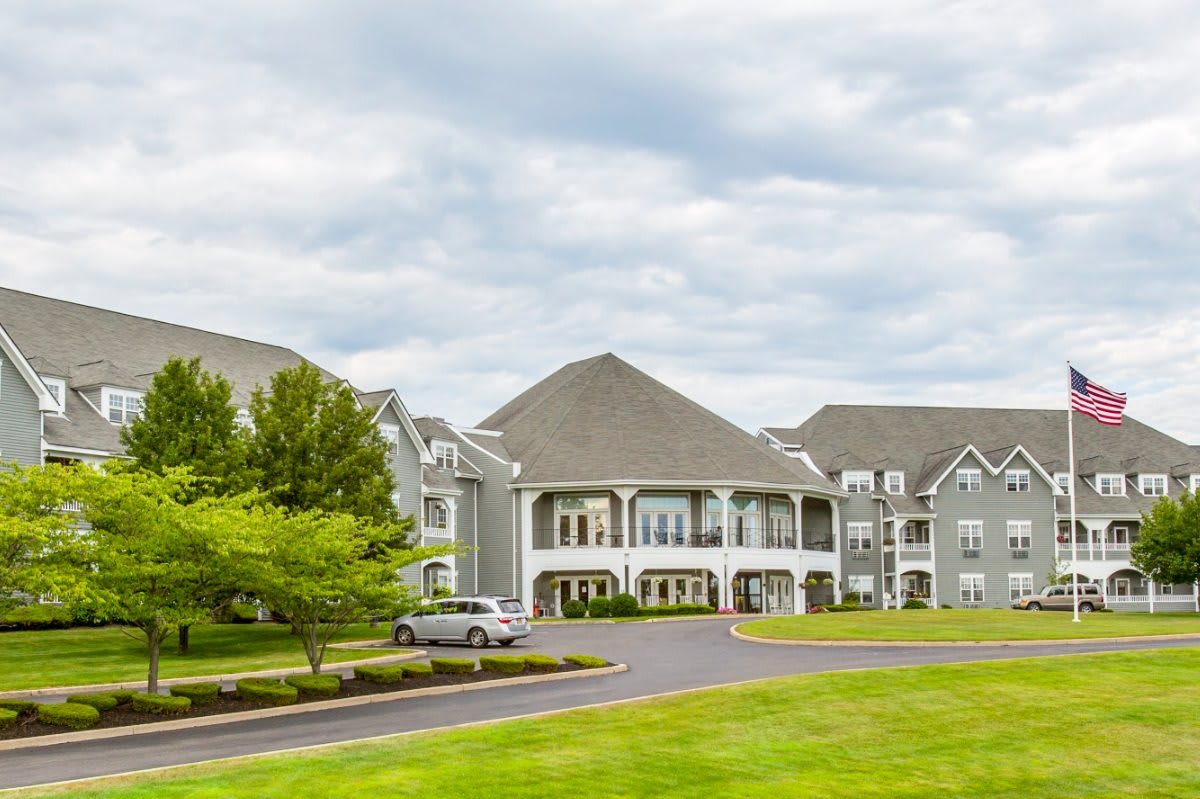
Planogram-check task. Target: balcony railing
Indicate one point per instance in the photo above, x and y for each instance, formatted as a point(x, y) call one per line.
point(437, 532)
point(589, 541)
point(915, 546)
point(676, 538)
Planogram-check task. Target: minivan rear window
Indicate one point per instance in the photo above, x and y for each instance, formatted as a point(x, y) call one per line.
point(511, 606)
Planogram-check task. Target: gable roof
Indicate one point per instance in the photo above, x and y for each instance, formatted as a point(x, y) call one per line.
point(16, 356)
point(602, 420)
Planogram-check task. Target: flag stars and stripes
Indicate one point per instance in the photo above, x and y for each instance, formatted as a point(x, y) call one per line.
point(1096, 401)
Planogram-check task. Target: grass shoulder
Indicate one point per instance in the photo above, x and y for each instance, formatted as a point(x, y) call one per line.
point(967, 625)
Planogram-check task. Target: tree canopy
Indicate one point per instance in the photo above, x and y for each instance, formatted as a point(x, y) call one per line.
point(1168, 547)
point(32, 529)
point(315, 447)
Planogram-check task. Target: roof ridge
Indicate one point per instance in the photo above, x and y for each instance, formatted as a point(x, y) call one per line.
point(530, 462)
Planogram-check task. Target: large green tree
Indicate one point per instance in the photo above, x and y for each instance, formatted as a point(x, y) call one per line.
point(150, 558)
point(315, 447)
point(33, 527)
point(187, 420)
point(1168, 546)
point(323, 571)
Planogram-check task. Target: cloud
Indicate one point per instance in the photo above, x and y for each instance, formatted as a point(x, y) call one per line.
point(906, 202)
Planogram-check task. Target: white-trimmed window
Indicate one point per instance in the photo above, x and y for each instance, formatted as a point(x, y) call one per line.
point(123, 407)
point(858, 535)
point(1111, 485)
point(857, 482)
point(1152, 485)
point(969, 479)
point(970, 588)
point(970, 534)
point(1064, 481)
point(391, 435)
point(437, 515)
point(1016, 480)
point(243, 419)
point(446, 455)
point(1019, 585)
point(1020, 534)
point(894, 482)
point(58, 388)
point(1194, 482)
point(863, 585)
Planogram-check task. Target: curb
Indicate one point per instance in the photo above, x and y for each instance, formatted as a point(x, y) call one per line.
point(651, 620)
point(733, 631)
point(138, 684)
point(291, 710)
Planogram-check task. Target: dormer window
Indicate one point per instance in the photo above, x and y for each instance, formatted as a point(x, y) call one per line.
point(894, 482)
point(1064, 481)
point(123, 406)
point(1111, 485)
point(1194, 483)
point(391, 435)
point(446, 455)
point(243, 420)
point(857, 482)
point(58, 388)
point(1152, 485)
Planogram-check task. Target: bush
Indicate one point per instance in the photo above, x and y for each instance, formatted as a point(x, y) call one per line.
point(413, 671)
point(682, 609)
point(201, 693)
point(914, 604)
point(574, 609)
point(159, 704)
point(845, 607)
point(600, 607)
point(18, 706)
point(946, 606)
point(503, 664)
point(316, 684)
point(851, 598)
point(453, 665)
point(85, 614)
point(541, 664)
point(381, 675)
point(624, 605)
point(36, 617)
point(586, 661)
point(102, 702)
point(238, 613)
point(123, 695)
point(7, 718)
point(266, 691)
point(69, 714)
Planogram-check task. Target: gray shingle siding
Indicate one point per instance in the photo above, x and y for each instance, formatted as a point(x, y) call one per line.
point(995, 506)
point(406, 469)
point(859, 508)
point(466, 533)
point(20, 419)
point(495, 534)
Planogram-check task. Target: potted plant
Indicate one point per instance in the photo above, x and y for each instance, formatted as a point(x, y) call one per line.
point(811, 582)
point(889, 542)
point(827, 581)
point(596, 581)
point(554, 584)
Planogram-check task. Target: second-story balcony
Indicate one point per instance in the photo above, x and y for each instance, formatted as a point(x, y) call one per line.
point(675, 538)
point(437, 535)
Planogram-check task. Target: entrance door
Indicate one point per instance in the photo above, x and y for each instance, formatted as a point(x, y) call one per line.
point(780, 595)
point(1121, 586)
point(663, 528)
point(584, 594)
point(748, 596)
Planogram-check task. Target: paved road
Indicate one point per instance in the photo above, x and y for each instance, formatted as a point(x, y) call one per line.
point(662, 657)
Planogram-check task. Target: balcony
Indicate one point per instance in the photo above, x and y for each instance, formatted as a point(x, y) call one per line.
point(915, 546)
point(437, 534)
point(674, 538)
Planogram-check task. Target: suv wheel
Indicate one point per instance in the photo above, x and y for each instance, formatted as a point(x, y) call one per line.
point(404, 636)
point(1085, 607)
point(477, 638)
point(1034, 606)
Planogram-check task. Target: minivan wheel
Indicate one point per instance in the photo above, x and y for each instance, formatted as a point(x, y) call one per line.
point(477, 638)
point(404, 636)
point(1033, 606)
point(1085, 607)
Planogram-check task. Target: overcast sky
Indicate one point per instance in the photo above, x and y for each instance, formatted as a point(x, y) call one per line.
point(892, 202)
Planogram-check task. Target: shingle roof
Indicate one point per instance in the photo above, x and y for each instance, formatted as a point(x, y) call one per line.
point(81, 428)
point(603, 420)
point(430, 428)
point(373, 399)
point(439, 479)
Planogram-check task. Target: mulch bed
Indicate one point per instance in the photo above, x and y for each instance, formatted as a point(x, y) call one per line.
point(28, 726)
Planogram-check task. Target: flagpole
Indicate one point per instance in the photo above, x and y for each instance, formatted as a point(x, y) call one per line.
point(1071, 492)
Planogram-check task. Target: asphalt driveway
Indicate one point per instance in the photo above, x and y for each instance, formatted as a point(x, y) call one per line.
point(662, 657)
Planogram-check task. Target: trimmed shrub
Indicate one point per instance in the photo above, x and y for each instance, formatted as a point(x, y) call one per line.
point(383, 675)
point(18, 706)
point(201, 693)
point(844, 608)
point(69, 714)
point(316, 684)
point(7, 718)
point(452, 665)
point(624, 605)
point(159, 704)
point(413, 671)
point(101, 702)
point(36, 617)
point(574, 609)
point(239, 613)
point(946, 606)
point(266, 691)
point(123, 695)
point(682, 609)
point(914, 604)
point(586, 661)
point(600, 607)
point(541, 664)
point(503, 664)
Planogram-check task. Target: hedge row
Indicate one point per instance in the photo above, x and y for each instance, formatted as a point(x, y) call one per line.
point(586, 661)
point(102, 702)
point(316, 684)
point(266, 691)
point(382, 675)
point(159, 704)
point(201, 693)
point(503, 664)
point(682, 609)
point(541, 664)
point(19, 706)
point(452, 665)
point(7, 718)
point(69, 714)
point(416, 670)
point(845, 607)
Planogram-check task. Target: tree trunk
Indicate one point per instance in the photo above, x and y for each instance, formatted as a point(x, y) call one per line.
point(154, 642)
point(184, 629)
point(315, 652)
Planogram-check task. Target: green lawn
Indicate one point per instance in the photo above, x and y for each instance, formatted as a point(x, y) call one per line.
point(91, 655)
point(1008, 729)
point(967, 625)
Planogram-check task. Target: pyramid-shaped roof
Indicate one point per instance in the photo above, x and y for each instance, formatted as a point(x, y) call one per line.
point(602, 420)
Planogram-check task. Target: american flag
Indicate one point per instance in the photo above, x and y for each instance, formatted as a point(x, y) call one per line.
point(1095, 400)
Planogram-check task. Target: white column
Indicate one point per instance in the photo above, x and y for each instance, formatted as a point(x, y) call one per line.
point(528, 497)
point(452, 506)
point(1151, 596)
point(1196, 595)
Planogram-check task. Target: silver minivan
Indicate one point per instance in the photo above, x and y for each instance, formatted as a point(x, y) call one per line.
point(474, 619)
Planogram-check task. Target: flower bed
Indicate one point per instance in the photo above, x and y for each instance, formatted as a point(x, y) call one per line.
point(27, 725)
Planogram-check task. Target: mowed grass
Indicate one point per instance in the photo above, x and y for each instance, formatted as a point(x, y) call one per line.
point(968, 625)
point(92, 655)
point(1107, 725)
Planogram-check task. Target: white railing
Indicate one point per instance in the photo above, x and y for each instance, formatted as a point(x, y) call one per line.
point(1111, 547)
point(1145, 599)
point(437, 532)
point(74, 506)
point(912, 546)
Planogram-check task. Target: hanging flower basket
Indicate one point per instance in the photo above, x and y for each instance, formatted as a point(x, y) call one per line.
point(828, 581)
point(811, 581)
point(1062, 539)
